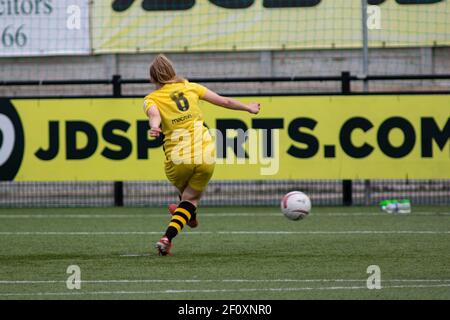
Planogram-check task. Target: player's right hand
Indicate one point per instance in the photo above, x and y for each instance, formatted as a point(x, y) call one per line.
point(254, 107)
point(154, 132)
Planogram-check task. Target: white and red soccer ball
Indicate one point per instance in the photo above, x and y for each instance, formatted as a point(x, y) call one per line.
point(296, 205)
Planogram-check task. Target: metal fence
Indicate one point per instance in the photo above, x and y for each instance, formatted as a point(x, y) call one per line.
point(344, 83)
point(221, 193)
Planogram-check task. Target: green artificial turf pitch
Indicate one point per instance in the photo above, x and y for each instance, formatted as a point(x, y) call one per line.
point(236, 253)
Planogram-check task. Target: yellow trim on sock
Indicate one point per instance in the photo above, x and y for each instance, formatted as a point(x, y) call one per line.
point(179, 218)
point(175, 225)
point(182, 210)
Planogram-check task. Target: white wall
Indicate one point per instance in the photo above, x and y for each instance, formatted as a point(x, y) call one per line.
point(233, 64)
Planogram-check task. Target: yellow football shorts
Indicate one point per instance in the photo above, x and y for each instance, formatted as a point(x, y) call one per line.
point(196, 176)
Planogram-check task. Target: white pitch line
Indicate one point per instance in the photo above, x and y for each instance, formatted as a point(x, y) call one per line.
point(171, 291)
point(128, 216)
point(133, 233)
point(146, 281)
point(81, 233)
point(218, 215)
point(77, 216)
point(134, 255)
point(334, 232)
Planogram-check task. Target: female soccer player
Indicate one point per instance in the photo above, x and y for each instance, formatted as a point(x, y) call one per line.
point(173, 111)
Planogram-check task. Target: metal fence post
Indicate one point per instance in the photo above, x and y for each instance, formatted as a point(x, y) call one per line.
point(118, 193)
point(346, 82)
point(347, 192)
point(117, 86)
point(118, 185)
point(365, 44)
point(347, 185)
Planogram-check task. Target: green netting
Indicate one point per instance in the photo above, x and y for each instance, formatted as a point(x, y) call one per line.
point(80, 39)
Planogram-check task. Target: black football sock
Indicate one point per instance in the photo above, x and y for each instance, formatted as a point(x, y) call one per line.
point(182, 215)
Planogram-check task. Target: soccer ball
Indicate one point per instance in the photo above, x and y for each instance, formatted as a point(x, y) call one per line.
point(295, 205)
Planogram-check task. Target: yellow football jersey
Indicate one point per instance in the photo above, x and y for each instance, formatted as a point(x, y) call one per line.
point(178, 104)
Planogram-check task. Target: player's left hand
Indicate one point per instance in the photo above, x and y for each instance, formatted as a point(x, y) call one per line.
point(154, 132)
point(254, 107)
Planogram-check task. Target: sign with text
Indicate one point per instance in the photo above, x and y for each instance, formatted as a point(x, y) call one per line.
point(330, 137)
point(230, 25)
point(44, 27)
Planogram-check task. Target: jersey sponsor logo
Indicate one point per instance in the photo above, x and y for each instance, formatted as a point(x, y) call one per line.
point(181, 119)
point(11, 141)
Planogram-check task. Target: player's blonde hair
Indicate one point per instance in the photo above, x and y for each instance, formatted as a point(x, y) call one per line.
point(162, 71)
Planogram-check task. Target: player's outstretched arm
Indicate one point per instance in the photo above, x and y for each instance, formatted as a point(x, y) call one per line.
point(154, 121)
point(229, 103)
